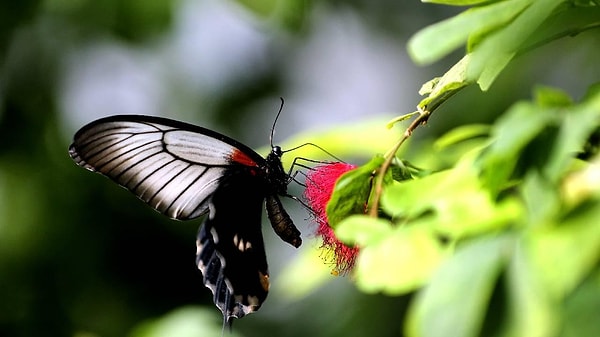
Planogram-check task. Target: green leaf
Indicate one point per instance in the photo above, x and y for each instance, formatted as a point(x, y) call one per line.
point(456, 298)
point(592, 93)
point(462, 133)
point(351, 192)
point(577, 123)
point(402, 170)
point(184, 322)
point(565, 253)
point(401, 261)
point(440, 89)
point(581, 308)
point(492, 69)
point(414, 252)
point(496, 32)
point(540, 197)
point(551, 97)
point(455, 199)
point(413, 198)
point(506, 14)
point(458, 2)
point(362, 230)
point(530, 310)
point(566, 22)
point(474, 213)
point(401, 118)
point(436, 41)
point(490, 56)
point(512, 132)
point(543, 136)
point(581, 185)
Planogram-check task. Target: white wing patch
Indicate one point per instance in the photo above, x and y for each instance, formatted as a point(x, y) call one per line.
point(173, 170)
point(197, 147)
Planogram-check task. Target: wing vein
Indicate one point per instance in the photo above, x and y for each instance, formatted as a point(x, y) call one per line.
point(162, 188)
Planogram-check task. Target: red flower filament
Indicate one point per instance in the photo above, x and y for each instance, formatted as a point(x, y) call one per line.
point(320, 182)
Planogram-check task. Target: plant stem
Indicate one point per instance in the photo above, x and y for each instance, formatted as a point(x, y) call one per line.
point(422, 119)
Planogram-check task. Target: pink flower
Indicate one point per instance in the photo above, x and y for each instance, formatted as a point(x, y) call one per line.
point(320, 182)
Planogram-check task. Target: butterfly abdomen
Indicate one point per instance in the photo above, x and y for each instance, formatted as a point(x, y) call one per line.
point(281, 221)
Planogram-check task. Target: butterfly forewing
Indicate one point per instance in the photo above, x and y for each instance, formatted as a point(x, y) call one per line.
point(173, 166)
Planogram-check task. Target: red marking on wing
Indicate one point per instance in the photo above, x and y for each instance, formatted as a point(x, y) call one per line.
point(242, 158)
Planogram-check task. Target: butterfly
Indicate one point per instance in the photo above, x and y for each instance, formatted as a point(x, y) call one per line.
point(185, 171)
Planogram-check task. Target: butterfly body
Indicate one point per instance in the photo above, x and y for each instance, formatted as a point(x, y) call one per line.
point(185, 171)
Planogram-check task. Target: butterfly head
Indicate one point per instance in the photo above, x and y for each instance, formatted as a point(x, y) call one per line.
point(276, 151)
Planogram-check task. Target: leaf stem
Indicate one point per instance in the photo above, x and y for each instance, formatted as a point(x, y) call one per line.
point(389, 157)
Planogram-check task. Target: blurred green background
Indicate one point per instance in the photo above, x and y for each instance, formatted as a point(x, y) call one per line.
point(80, 256)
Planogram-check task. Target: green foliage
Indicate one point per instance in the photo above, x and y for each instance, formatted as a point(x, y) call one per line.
point(457, 296)
point(495, 234)
point(351, 190)
point(506, 240)
point(413, 251)
point(494, 33)
point(183, 322)
point(510, 219)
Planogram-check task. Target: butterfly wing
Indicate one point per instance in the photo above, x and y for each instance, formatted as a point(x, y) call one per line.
point(183, 171)
point(230, 247)
point(173, 166)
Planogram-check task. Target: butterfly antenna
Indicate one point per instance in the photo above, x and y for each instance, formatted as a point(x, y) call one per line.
point(275, 122)
point(318, 147)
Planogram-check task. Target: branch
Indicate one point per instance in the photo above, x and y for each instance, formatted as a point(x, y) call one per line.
point(421, 120)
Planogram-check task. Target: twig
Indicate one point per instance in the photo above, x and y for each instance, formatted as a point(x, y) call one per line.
point(422, 119)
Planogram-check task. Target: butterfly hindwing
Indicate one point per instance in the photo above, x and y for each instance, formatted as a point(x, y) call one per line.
point(230, 247)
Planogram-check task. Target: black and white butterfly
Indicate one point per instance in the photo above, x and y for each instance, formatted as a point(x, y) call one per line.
point(185, 171)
